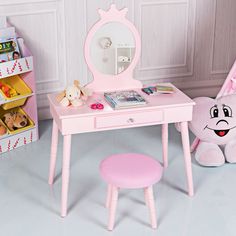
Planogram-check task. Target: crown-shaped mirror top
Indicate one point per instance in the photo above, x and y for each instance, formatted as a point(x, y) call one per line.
point(112, 50)
point(113, 11)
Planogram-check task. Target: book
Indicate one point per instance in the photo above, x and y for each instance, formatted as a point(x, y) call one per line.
point(158, 89)
point(164, 89)
point(124, 99)
point(148, 90)
point(9, 49)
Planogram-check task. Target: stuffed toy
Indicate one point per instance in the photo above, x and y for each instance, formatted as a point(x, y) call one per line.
point(15, 120)
point(214, 123)
point(73, 95)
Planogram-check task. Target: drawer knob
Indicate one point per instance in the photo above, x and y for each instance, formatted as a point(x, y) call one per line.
point(130, 120)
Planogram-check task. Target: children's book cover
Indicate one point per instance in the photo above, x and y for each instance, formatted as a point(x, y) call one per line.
point(9, 50)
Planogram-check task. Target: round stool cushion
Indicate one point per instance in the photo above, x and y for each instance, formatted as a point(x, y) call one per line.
point(131, 170)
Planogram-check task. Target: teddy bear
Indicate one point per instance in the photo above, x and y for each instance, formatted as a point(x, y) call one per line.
point(15, 120)
point(214, 123)
point(73, 95)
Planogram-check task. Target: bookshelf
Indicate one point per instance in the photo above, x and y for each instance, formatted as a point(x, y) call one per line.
point(20, 73)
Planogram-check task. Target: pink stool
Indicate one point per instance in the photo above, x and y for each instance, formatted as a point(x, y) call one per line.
point(132, 171)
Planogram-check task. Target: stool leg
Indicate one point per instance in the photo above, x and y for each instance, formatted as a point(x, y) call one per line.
point(108, 200)
point(112, 209)
point(146, 197)
point(151, 206)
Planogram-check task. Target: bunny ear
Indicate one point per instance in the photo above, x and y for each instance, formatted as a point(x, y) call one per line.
point(86, 92)
point(61, 95)
point(76, 83)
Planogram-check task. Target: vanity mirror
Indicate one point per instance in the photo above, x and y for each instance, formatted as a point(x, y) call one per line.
point(112, 49)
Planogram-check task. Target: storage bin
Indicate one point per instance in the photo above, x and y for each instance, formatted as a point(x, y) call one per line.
point(17, 109)
point(22, 89)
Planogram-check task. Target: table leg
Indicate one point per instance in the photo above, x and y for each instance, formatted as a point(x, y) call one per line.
point(53, 157)
point(65, 173)
point(165, 145)
point(187, 156)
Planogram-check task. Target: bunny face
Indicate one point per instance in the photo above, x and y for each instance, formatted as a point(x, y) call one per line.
point(214, 120)
point(73, 93)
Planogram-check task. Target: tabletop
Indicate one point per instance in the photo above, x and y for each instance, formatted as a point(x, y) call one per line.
point(176, 99)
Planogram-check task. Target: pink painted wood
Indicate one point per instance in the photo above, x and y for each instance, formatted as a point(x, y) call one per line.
point(111, 204)
point(162, 109)
point(118, 172)
point(109, 190)
point(53, 152)
point(151, 206)
point(165, 144)
point(171, 108)
point(145, 197)
point(112, 208)
point(124, 80)
point(25, 69)
point(187, 156)
point(65, 173)
point(229, 84)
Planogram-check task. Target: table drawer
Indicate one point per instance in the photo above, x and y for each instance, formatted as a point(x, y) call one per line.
point(129, 119)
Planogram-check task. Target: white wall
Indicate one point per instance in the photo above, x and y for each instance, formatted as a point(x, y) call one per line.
point(190, 42)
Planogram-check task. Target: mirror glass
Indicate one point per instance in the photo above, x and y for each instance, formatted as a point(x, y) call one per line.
point(112, 48)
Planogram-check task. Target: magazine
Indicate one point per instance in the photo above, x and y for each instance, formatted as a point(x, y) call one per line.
point(124, 99)
point(9, 49)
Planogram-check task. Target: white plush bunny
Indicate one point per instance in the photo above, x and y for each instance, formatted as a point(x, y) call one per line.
point(73, 95)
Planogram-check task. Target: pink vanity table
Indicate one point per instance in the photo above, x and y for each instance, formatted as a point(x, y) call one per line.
point(162, 109)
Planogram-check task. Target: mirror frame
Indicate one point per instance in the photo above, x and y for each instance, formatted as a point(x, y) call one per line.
point(106, 82)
